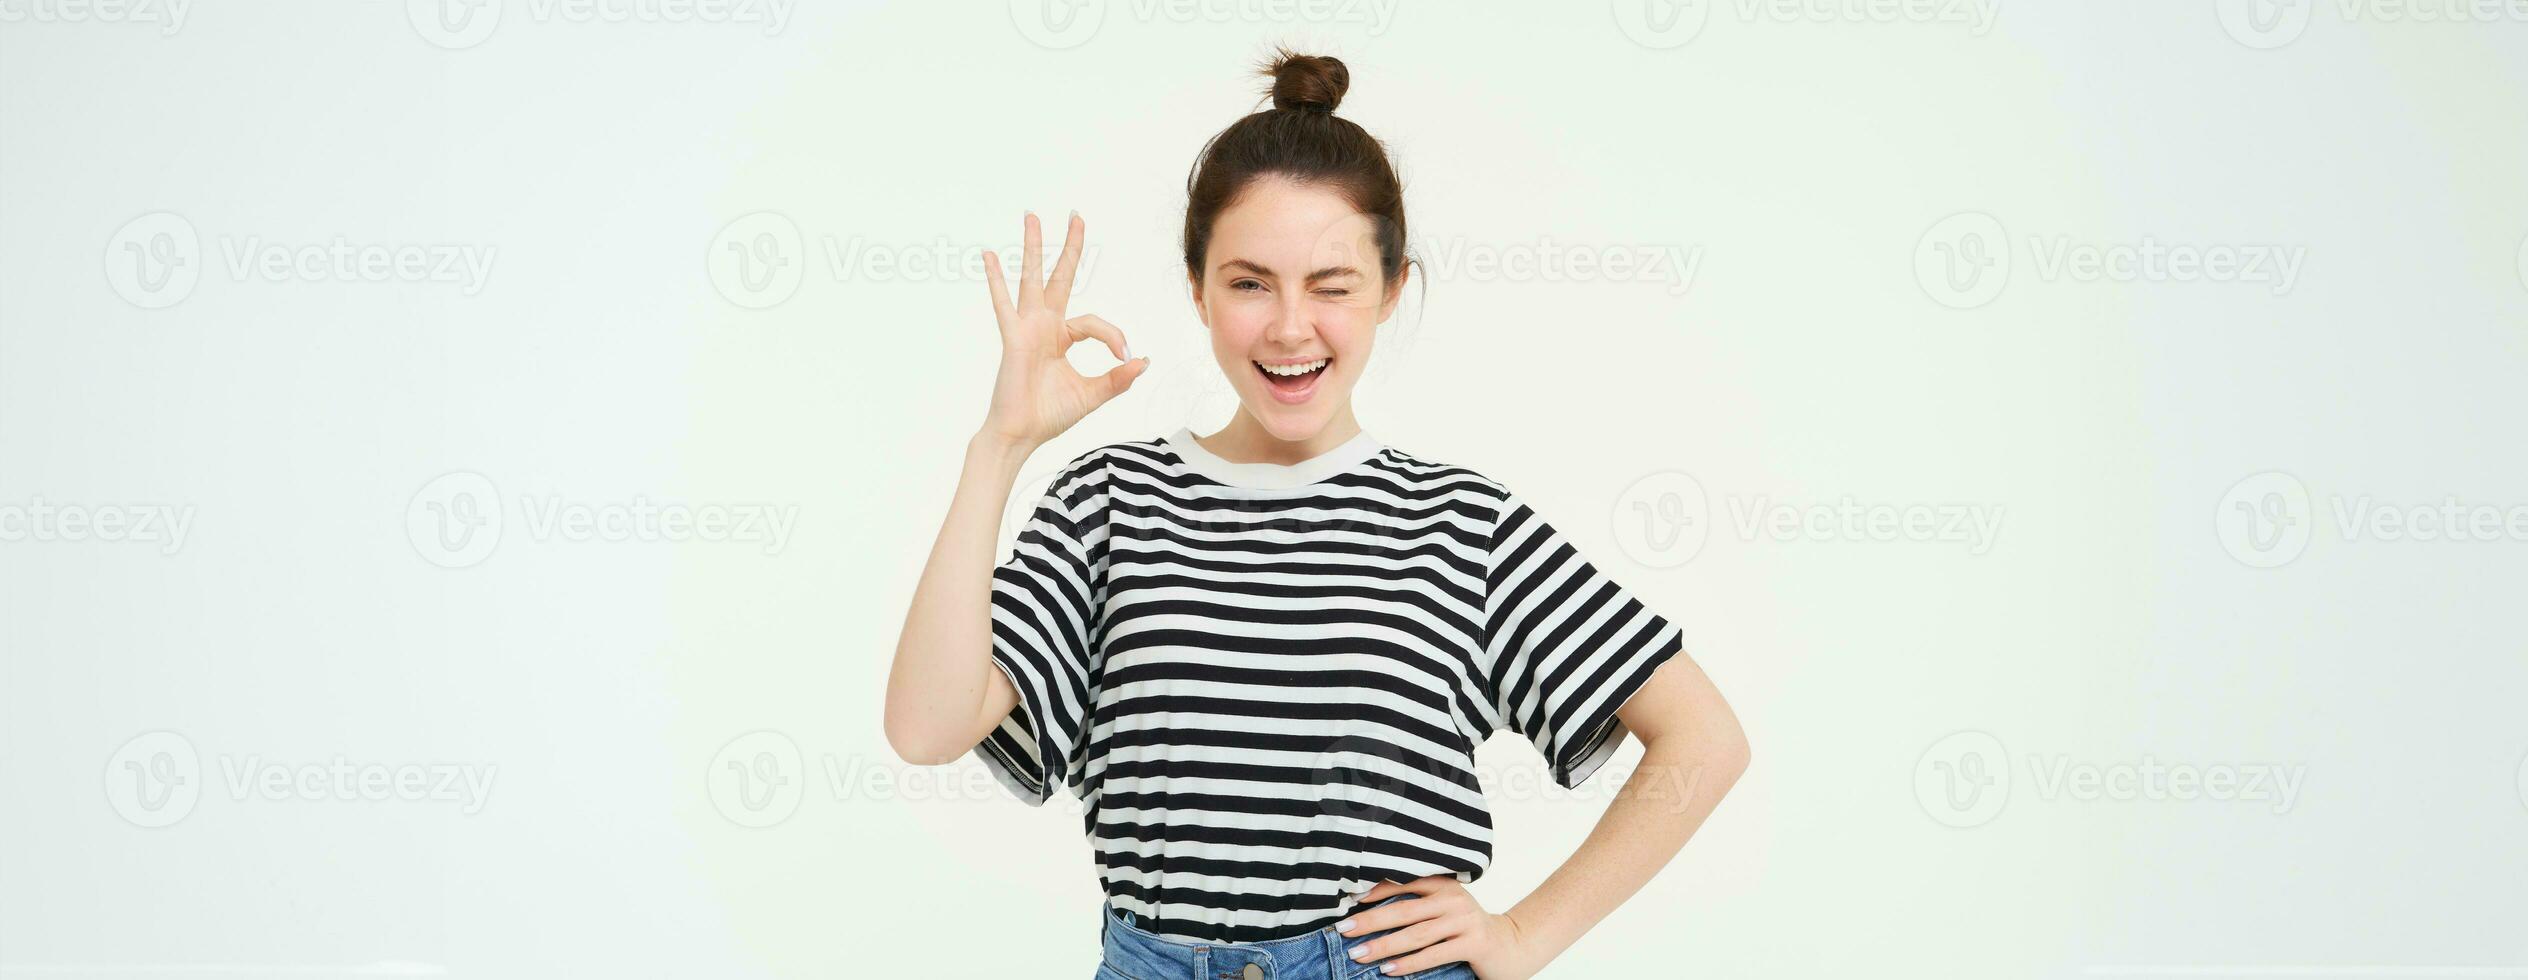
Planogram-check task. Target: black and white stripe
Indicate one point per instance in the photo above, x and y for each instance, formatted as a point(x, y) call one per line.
point(1269, 696)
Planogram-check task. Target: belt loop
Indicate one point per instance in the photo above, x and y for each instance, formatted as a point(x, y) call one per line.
point(1202, 963)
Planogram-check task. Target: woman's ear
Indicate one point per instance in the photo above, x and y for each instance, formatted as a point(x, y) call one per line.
point(1395, 293)
point(1195, 289)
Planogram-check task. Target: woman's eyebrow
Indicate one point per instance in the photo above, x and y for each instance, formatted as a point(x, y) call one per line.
point(1328, 272)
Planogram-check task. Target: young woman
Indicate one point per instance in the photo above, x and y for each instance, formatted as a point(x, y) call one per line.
point(1263, 657)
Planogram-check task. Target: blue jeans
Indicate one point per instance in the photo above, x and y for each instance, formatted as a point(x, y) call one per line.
point(1133, 954)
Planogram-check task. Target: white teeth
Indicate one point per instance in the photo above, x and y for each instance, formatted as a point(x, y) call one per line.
point(1292, 370)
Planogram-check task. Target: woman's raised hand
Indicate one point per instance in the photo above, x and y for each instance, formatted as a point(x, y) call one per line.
point(1039, 394)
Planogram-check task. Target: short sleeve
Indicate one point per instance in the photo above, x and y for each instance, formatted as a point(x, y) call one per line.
point(1045, 635)
point(1564, 645)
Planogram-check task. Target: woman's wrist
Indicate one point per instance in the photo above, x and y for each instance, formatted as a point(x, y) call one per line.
point(1539, 934)
point(999, 453)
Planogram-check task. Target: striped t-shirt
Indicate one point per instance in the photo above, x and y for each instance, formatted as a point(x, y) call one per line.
point(1266, 682)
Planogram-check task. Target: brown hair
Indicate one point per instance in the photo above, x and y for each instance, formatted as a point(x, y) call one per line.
point(1302, 139)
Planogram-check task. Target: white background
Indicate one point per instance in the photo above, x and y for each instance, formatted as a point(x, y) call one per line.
point(1842, 337)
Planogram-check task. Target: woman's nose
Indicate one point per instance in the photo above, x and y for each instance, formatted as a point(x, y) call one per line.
point(1290, 324)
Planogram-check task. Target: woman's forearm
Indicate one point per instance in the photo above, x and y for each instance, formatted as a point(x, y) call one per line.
point(943, 694)
point(938, 690)
point(1684, 772)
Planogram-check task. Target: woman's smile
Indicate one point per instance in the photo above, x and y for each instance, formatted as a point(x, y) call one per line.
point(1292, 380)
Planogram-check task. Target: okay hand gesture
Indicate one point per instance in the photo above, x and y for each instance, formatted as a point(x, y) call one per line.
point(1038, 394)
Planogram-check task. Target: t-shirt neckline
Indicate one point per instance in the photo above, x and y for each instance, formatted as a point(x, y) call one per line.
point(1273, 476)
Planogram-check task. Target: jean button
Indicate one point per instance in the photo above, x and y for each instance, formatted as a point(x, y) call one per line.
point(1252, 972)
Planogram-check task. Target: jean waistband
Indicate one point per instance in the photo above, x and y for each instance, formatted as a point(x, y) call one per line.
point(1322, 954)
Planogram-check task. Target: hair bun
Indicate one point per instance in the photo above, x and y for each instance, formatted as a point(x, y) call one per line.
point(1307, 81)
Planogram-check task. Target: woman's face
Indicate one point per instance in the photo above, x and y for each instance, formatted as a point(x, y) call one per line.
point(1292, 295)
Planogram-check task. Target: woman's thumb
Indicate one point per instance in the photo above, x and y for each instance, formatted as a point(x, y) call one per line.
point(1120, 376)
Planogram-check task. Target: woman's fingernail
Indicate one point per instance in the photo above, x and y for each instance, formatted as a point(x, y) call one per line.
point(1388, 968)
point(1343, 926)
point(1360, 952)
